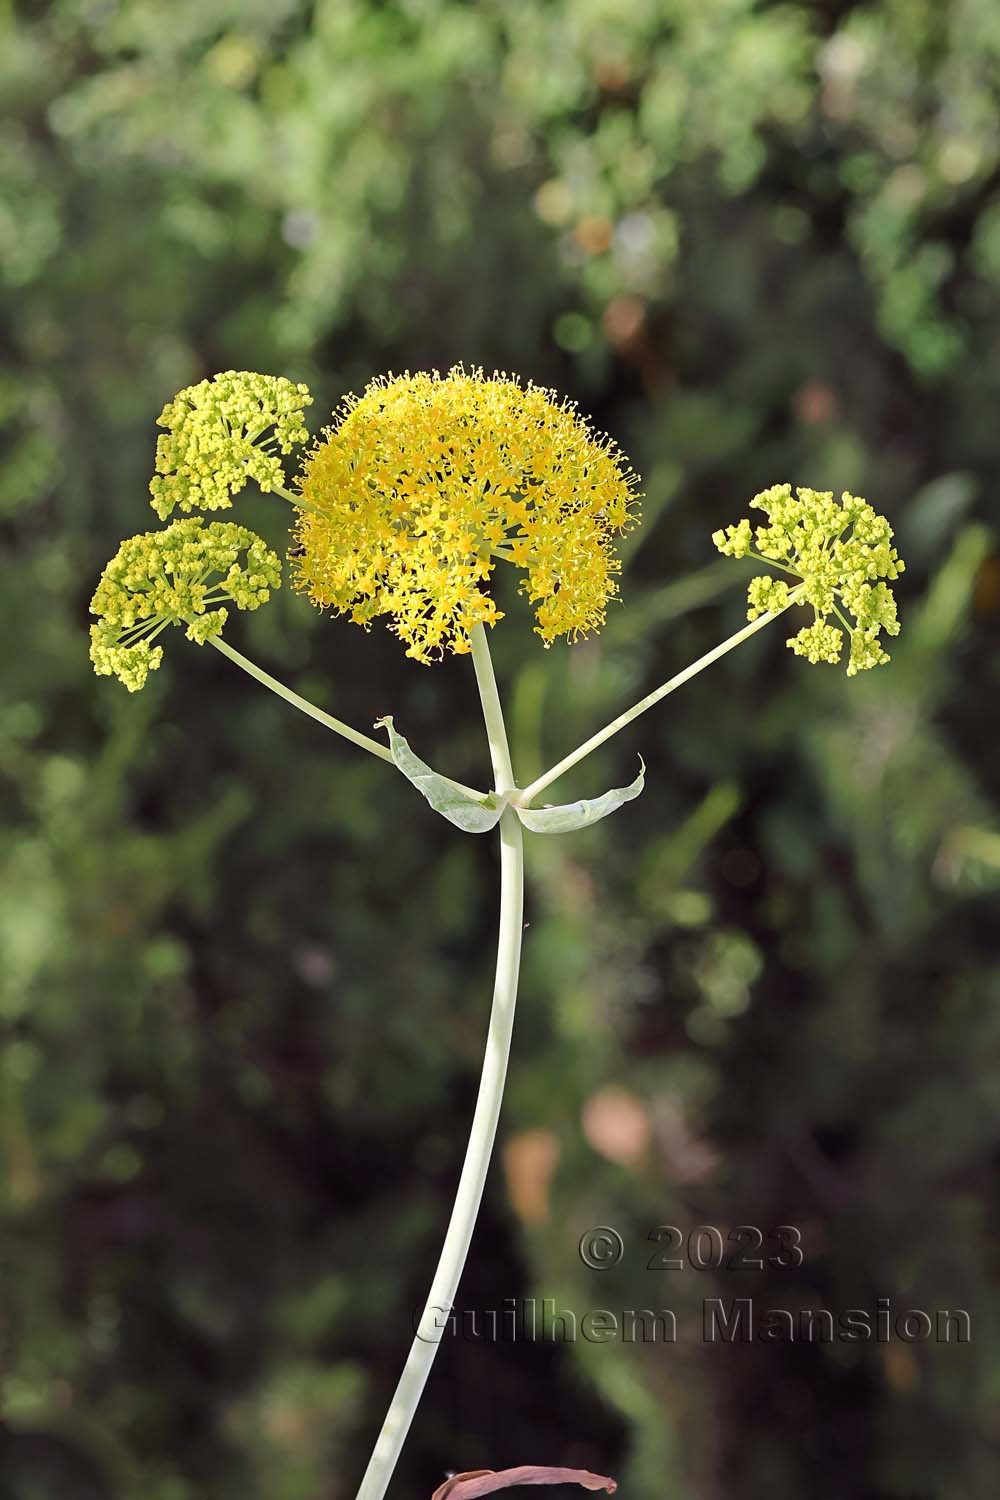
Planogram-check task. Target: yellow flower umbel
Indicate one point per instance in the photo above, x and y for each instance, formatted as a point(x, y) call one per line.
point(427, 481)
point(836, 554)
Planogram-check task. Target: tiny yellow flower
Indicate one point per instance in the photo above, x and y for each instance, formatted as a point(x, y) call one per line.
point(425, 482)
point(836, 554)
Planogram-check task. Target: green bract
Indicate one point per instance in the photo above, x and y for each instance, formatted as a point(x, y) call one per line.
point(573, 815)
point(837, 553)
point(222, 432)
point(181, 575)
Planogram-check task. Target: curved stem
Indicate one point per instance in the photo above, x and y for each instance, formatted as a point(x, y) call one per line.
point(436, 1316)
point(650, 700)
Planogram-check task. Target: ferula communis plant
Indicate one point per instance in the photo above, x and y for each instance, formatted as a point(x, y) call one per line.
point(403, 508)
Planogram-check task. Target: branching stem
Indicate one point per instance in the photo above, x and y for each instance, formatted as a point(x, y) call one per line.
point(437, 1311)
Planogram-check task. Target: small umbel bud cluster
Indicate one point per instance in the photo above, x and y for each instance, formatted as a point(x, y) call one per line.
point(837, 555)
point(182, 575)
point(222, 432)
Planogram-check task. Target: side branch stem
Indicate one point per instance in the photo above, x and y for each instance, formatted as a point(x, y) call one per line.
point(299, 501)
point(327, 720)
point(580, 753)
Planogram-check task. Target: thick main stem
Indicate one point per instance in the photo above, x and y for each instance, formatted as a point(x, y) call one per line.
point(434, 1320)
point(575, 756)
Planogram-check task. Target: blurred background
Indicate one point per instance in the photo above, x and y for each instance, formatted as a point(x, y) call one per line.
point(246, 971)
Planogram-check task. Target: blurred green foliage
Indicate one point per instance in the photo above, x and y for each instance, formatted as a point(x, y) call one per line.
point(245, 973)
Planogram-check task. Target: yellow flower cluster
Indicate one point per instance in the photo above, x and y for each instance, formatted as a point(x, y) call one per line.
point(180, 575)
point(427, 481)
point(222, 432)
point(836, 552)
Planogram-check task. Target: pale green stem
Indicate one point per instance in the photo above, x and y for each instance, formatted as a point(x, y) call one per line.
point(530, 792)
point(298, 501)
point(327, 720)
point(496, 733)
point(436, 1316)
point(303, 704)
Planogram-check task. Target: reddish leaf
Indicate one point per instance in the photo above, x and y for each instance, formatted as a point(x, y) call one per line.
point(476, 1482)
